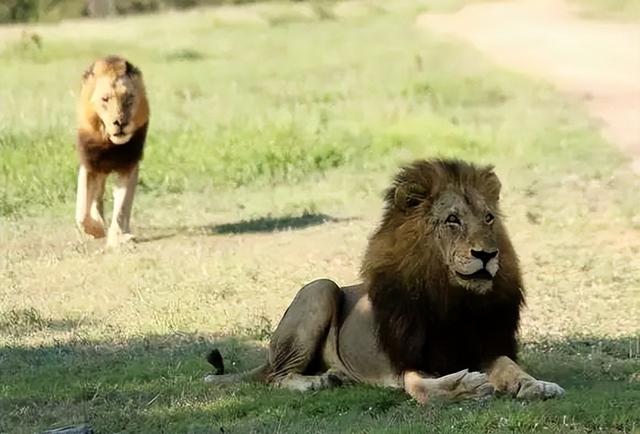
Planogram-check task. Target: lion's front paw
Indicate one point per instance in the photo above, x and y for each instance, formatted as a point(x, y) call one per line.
point(117, 238)
point(476, 385)
point(92, 227)
point(537, 389)
point(466, 385)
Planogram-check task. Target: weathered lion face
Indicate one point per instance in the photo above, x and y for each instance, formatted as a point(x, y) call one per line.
point(114, 100)
point(116, 95)
point(453, 217)
point(464, 232)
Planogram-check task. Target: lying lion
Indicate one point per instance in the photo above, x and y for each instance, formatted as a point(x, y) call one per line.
point(113, 115)
point(438, 312)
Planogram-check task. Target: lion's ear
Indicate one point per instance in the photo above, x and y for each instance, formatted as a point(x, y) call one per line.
point(409, 196)
point(493, 185)
point(131, 70)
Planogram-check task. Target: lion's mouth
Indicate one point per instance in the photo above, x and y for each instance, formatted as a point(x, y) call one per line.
point(119, 138)
point(481, 274)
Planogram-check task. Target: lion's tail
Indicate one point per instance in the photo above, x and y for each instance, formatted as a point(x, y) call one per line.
point(258, 374)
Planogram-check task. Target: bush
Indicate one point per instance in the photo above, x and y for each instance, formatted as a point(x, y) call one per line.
point(12, 11)
point(19, 10)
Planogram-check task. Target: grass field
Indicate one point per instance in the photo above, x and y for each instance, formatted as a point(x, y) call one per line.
point(274, 129)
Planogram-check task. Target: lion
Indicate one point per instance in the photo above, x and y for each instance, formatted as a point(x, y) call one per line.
point(437, 313)
point(113, 117)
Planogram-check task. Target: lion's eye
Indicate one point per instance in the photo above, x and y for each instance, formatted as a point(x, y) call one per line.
point(489, 218)
point(453, 219)
point(105, 99)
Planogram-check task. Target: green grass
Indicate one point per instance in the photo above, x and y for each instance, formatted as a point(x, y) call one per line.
point(233, 115)
point(274, 130)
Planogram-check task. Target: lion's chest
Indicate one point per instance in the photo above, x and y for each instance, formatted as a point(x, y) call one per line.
point(467, 339)
point(106, 157)
point(439, 343)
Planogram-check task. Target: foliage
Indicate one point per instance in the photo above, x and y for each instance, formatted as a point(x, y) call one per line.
point(12, 11)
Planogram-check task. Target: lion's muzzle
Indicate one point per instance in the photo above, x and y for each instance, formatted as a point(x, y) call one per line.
point(478, 265)
point(119, 132)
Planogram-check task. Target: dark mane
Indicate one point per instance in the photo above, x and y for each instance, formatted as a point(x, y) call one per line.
point(424, 321)
point(100, 155)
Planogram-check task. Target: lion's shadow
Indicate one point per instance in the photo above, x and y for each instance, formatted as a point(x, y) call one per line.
point(264, 224)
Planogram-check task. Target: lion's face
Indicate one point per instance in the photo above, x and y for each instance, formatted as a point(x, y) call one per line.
point(113, 96)
point(115, 100)
point(464, 230)
point(448, 215)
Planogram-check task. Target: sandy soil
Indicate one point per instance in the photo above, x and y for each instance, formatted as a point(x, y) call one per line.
point(597, 61)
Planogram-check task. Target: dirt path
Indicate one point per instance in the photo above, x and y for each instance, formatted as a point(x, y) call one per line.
point(598, 61)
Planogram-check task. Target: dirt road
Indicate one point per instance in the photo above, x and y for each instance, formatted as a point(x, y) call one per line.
point(595, 60)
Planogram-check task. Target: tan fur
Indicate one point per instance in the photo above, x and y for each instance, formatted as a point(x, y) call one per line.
point(113, 116)
point(453, 387)
point(431, 317)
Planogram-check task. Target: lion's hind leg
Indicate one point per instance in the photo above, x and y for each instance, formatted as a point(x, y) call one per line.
point(295, 345)
point(304, 383)
point(453, 387)
point(301, 335)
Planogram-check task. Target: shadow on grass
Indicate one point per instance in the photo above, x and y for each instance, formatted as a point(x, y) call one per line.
point(18, 322)
point(154, 384)
point(107, 384)
point(272, 224)
point(257, 225)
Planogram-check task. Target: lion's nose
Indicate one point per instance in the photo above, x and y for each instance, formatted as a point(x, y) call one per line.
point(117, 123)
point(484, 256)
